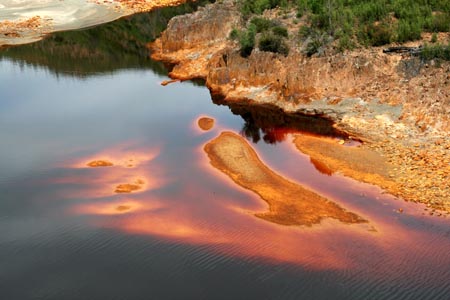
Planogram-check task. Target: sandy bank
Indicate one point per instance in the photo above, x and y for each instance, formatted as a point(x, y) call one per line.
point(359, 163)
point(289, 203)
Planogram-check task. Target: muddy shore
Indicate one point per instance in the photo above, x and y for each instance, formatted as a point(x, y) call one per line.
point(398, 106)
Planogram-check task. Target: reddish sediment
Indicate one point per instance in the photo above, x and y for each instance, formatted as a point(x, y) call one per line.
point(330, 156)
point(289, 203)
point(137, 6)
point(100, 163)
point(206, 123)
point(129, 187)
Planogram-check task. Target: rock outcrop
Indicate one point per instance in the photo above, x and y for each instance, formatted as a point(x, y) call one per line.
point(367, 81)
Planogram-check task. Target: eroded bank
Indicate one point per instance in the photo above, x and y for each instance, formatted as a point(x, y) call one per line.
point(397, 106)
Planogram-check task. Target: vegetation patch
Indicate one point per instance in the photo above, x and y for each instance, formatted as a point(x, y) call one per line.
point(357, 22)
point(273, 43)
point(266, 34)
point(440, 52)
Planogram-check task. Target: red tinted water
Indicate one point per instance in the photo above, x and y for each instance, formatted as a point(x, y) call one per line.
point(201, 206)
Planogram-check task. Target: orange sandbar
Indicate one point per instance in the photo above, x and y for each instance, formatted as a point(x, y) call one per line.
point(289, 203)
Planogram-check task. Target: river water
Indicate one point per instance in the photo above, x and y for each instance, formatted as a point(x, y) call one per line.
point(188, 232)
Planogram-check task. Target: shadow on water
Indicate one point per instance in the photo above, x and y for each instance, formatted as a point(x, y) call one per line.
point(272, 125)
point(105, 49)
point(122, 45)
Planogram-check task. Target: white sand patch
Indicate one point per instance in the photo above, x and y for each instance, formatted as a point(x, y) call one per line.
point(57, 15)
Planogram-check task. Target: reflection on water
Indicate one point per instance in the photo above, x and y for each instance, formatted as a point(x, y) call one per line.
point(123, 206)
point(189, 232)
point(104, 49)
point(273, 126)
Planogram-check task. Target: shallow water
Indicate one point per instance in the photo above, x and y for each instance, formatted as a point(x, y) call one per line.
point(189, 232)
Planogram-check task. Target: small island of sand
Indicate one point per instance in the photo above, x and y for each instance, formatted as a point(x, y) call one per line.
point(289, 203)
point(206, 123)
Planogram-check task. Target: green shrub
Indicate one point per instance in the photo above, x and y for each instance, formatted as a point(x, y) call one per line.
point(353, 22)
point(316, 42)
point(246, 9)
point(440, 23)
point(345, 43)
point(262, 24)
point(370, 11)
point(247, 41)
point(284, 4)
point(234, 34)
point(280, 31)
point(408, 31)
point(261, 5)
point(378, 35)
point(249, 7)
point(273, 43)
point(434, 38)
point(436, 52)
point(302, 7)
point(304, 32)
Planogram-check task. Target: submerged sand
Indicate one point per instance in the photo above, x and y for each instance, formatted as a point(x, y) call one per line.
point(329, 156)
point(421, 178)
point(100, 163)
point(289, 203)
point(127, 188)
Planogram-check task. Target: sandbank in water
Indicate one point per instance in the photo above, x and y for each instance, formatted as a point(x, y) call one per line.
point(289, 202)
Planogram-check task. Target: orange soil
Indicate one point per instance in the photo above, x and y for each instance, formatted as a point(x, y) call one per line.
point(356, 162)
point(140, 5)
point(129, 187)
point(289, 203)
point(14, 28)
point(411, 173)
point(206, 123)
point(122, 208)
point(100, 163)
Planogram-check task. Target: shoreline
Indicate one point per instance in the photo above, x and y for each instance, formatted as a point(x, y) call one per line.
point(365, 93)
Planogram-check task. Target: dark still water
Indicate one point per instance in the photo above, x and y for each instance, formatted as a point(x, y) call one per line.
point(185, 230)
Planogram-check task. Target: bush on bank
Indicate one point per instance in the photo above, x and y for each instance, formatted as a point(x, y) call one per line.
point(354, 23)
